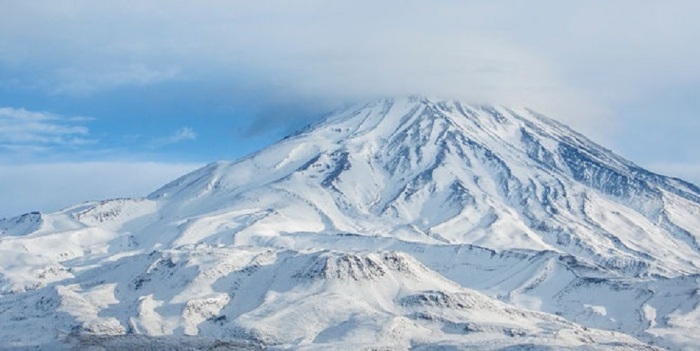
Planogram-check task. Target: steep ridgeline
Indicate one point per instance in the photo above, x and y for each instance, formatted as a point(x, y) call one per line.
point(405, 222)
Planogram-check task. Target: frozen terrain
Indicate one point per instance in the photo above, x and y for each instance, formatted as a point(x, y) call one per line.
point(403, 223)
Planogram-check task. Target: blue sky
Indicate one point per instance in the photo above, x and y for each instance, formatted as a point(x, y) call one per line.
point(105, 99)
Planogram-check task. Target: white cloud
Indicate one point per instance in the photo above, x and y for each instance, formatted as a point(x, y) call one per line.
point(497, 49)
point(580, 62)
point(50, 187)
point(32, 131)
point(180, 135)
point(308, 50)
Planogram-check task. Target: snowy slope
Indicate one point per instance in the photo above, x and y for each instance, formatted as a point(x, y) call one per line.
point(405, 222)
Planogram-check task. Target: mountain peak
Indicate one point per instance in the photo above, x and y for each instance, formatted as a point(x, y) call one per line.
point(376, 223)
point(448, 172)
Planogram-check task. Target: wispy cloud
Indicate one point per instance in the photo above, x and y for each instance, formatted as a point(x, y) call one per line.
point(180, 135)
point(32, 131)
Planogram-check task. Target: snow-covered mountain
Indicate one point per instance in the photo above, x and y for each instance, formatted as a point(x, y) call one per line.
point(402, 223)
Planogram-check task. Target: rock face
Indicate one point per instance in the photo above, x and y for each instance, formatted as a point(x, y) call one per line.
point(402, 223)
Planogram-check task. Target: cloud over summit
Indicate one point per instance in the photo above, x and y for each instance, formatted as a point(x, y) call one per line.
point(570, 60)
point(312, 50)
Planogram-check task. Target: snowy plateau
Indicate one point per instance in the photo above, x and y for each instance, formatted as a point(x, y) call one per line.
point(407, 223)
